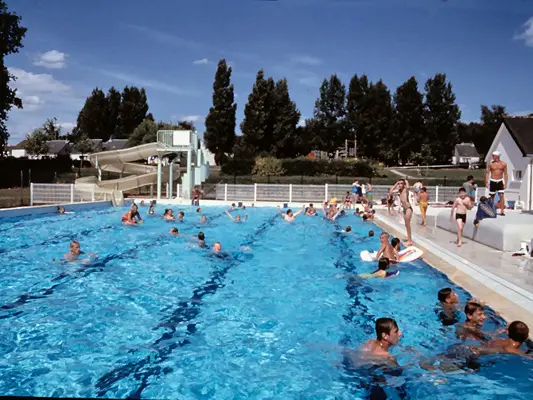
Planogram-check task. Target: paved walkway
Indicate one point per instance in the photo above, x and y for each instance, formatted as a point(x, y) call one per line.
point(498, 278)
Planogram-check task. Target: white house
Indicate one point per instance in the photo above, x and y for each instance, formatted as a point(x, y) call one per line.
point(17, 150)
point(465, 153)
point(514, 141)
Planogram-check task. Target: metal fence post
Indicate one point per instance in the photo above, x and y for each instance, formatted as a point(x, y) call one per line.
point(437, 194)
point(225, 192)
point(178, 191)
point(72, 193)
point(31, 194)
point(92, 192)
point(290, 192)
point(255, 192)
point(326, 192)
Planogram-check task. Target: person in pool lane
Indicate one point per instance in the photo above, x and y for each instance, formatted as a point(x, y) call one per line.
point(151, 210)
point(75, 253)
point(386, 249)
point(381, 272)
point(169, 216)
point(517, 334)
point(181, 214)
point(387, 335)
point(289, 216)
point(203, 219)
point(471, 328)
point(238, 218)
point(201, 240)
point(310, 211)
point(132, 216)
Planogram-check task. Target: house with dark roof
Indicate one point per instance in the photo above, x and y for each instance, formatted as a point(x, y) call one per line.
point(465, 154)
point(17, 151)
point(514, 141)
point(115, 144)
point(58, 148)
point(97, 145)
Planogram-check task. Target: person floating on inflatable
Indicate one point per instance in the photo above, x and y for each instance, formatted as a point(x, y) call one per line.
point(381, 272)
point(132, 216)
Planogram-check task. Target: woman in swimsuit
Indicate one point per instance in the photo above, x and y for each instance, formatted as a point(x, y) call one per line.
point(423, 202)
point(132, 217)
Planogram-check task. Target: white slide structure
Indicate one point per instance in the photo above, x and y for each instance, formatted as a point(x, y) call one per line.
point(121, 161)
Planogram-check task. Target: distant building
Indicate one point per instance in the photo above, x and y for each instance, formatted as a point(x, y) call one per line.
point(115, 144)
point(514, 141)
point(97, 145)
point(465, 154)
point(17, 150)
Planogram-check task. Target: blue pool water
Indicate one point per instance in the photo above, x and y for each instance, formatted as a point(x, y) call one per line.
point(157, 317)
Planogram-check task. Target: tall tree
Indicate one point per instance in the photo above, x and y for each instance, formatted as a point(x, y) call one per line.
point(52, 129)
point(357, 108)
point(36, 143)
point(11, 35)
point(257, 125)
point(114, 123)
point(442, 117)
point(285, 117)
point(491, 119)
point(220, 123)
point(92, 119)
point(379, 124)
point(409, 128)
point(133, 109)
point(329, 116)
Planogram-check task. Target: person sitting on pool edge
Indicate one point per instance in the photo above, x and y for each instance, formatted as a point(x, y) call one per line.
point(132, 216)
point(75, 253)
point(381, 272)
point(289, 216)
point(237, 218)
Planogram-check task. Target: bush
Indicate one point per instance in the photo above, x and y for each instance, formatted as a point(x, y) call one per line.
point(265, 166)
point(238, 167)
point(304, 167)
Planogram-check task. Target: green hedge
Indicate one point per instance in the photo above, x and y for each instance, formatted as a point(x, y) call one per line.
point(306, 167)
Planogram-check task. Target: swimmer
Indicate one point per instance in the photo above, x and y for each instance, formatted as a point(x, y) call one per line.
point(75, 253)
point(448, 301)
point(395, 243)
point(371, 233)
point(60, 210)
point(310, 211)
point(201, 239)
point(168, 215)
point(142, 203)
point(181, 214)
point(289, 216)
point(471, 328)
point(386, 249)
point(203, 220)
point(217, 248)
point(348, 229)
point(132, 216)
point(237, 218)
point(233, 207)
point(517, 333)
point(174, 232)
point(381, 272)
point(151, 210)
point(198, 210)
point(243, 207)
point(348, 200)
point(387, 334)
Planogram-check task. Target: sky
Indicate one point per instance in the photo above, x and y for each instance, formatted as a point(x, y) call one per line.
point(171, 48)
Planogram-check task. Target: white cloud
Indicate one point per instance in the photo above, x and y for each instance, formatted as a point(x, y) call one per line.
point(302, 121)
point(306, 60)
point(522, 113)
point(309, 79)
point(202, 61)
point(66, 126)
point(147, 83)
point(51, 59)
point(191, 118)
point(41, 83)
point(527, 33)
point(31, 103)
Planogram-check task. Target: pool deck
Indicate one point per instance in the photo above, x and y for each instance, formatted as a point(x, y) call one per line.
point(502, 281)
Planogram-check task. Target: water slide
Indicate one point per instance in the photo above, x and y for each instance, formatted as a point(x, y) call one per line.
point(121, 161)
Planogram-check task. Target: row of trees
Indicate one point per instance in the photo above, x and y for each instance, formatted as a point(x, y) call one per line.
point(407, 126)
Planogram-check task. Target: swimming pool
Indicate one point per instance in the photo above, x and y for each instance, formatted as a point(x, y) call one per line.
point(157, 317)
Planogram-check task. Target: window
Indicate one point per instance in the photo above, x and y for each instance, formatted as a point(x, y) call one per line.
point(517, 175)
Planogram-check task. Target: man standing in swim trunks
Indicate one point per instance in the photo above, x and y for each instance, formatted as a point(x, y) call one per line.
point(461, 204)
point(496, 178)
point(402, 187)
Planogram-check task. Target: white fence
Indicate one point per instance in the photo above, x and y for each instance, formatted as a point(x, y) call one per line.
point(55, 193)
point(318, 193)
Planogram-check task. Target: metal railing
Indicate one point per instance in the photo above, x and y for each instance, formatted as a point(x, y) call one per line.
point(57, 193)
point(319, 193)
